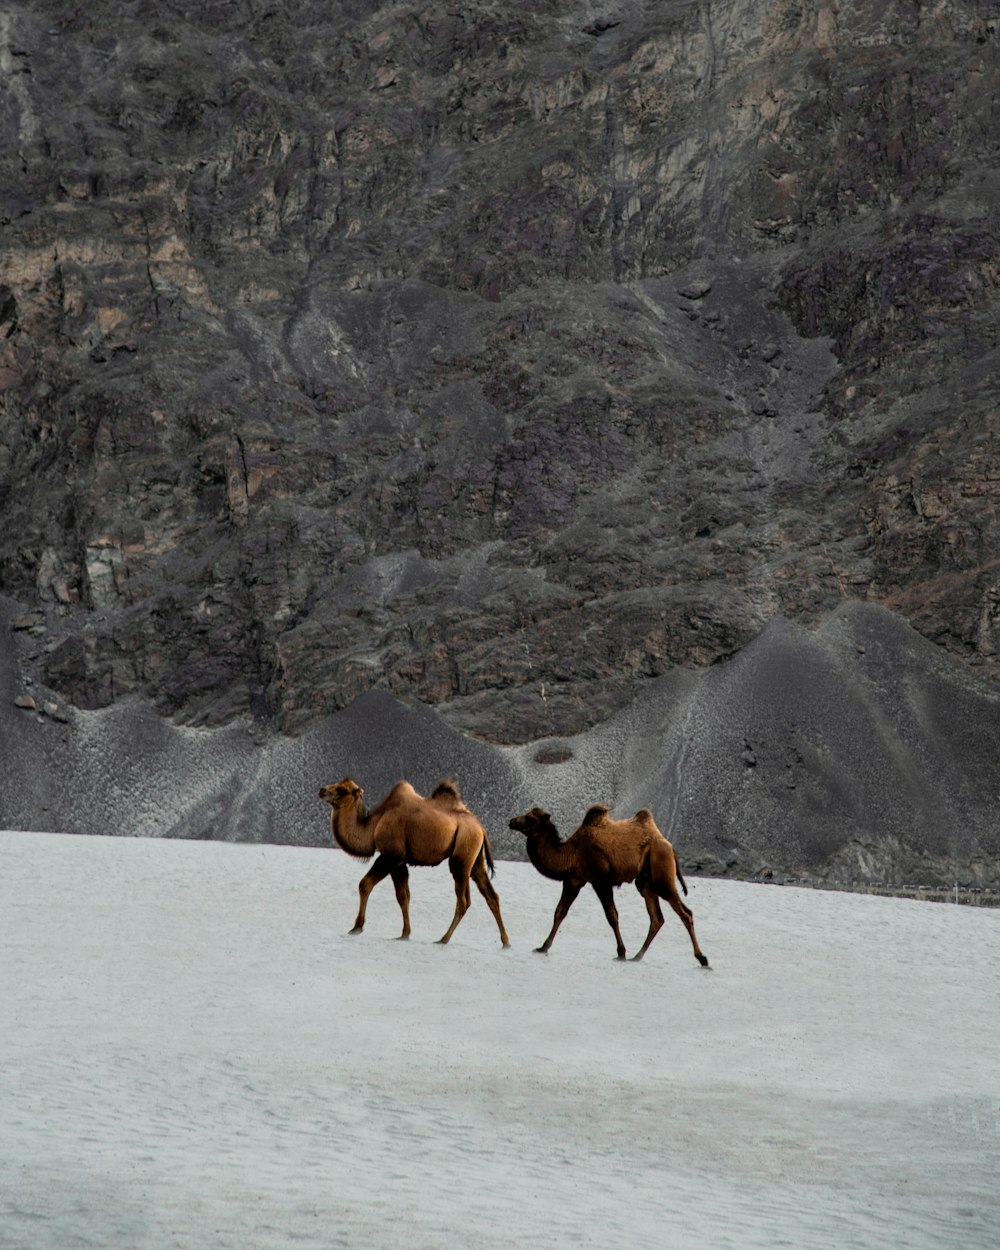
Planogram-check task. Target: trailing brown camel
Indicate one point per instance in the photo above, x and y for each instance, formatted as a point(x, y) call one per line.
point(408, 830)
point(605, 853)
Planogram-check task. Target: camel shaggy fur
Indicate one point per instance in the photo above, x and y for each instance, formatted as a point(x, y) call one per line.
point(408, 830)
point(605, 853)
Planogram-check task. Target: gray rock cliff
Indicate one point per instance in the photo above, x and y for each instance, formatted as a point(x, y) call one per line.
point(510, 360)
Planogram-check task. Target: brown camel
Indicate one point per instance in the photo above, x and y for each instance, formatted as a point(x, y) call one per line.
point(408, 829)
point(605, 853)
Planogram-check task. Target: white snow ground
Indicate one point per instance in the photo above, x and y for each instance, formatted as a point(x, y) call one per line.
point(195, 1055)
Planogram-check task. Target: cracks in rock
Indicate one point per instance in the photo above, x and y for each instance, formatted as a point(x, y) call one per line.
point(149, 269)
point(243, 461)
point(710, 201)
point(14, 77)
point(621, 193)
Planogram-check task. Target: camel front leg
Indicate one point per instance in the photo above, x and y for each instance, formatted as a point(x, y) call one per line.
point(605, 892)
point(485, 887)
point(463, 898)
point(378, 872)
point(401, 880)
point(566, 900)
point(655, 918)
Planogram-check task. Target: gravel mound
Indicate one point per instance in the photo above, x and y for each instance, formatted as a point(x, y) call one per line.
point(856, 751)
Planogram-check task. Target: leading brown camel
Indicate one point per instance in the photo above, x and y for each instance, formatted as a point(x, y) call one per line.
point(605, 853)
point(408, 829)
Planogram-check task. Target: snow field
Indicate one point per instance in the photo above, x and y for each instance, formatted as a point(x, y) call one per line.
point(194, 1055)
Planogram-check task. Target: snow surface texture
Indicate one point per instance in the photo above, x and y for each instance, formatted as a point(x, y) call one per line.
point(195, 1054)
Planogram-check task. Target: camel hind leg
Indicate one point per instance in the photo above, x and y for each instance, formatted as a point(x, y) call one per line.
point(655, 916)
point(463, 896)
point(662, 878)
point(486, 889)
point(687, 919)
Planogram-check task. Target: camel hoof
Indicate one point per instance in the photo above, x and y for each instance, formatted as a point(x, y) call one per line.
point(704, 962)
point(635, 958)
point(403, 937)
point(356, 929)
point(540, 950)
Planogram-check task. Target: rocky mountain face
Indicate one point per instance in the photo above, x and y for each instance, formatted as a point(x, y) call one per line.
point(500, 357)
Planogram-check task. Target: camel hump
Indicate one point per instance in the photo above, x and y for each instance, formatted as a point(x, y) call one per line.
point(447, 791)
point(595, 814)
point(401, 790)
point(645, 816)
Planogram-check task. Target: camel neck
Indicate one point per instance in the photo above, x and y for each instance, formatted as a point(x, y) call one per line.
point(350, 831)
point(549, 854)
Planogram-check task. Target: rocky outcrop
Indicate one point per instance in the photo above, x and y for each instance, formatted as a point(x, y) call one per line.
point(500, 358)
point(857, 752)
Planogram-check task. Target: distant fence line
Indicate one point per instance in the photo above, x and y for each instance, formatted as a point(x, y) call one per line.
point(967, 895)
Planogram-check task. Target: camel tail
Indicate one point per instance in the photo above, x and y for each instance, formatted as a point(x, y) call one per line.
point(680, 878)
point(488, 853)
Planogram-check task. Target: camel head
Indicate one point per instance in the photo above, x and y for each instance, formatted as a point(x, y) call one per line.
point(534, 823)
point(344, 791)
